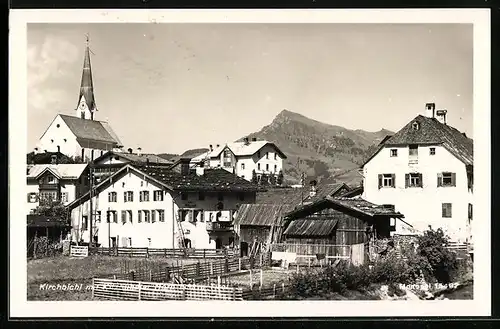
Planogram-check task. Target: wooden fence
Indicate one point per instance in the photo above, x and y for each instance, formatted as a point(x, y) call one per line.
point(110, 289)
point(196, 271)
point(165, 252)
point(79, 251)
point(259, 293)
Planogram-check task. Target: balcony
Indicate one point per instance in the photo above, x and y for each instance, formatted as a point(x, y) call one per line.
point(220, 227)
point(218, 215)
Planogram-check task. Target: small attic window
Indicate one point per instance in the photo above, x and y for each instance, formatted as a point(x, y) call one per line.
point(65, 140)
point(415, 126)
point(58, 125)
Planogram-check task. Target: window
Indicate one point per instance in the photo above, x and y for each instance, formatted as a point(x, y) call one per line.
point(220, 196)
point(184, 196)
point(242, 166)
point(147, 215)
point(470, 212)
point(83, 154)
point(446, 210)
point(275, 168)
point(267, 155)
point(394, 152)
point(432, 151)
point(143, 196)
point(227, 158)
point(413, 180)
point(153, 216)
point(275, 156)
point(158, 195)
point(258, 166)
point(415, 126)
point(48, 196)
point(112, 197)
point(267, 166)
point(109, 215)
point(139, 216)
point(64, 197)
point(386, 180)
point(241, 196)
point(130, 242)
point(149, 242)
point(161, 215)
point(129, 212)
point(128, 196)
point(446, 179)
point(98, 216)
point(413, 150)
point(201, 196)
point(50, 179)
point(124, 216)
point(85, 223)
point(182, 215)
point(32, 197)
point(115, 217)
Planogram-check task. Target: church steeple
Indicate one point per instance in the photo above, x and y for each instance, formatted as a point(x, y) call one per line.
point(86, 100)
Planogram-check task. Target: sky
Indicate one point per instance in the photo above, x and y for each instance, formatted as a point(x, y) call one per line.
point(171, 87)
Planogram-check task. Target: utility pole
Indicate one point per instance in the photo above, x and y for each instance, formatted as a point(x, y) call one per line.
point(91, 226)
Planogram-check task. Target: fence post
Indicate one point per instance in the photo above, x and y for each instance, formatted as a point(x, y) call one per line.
point(147, 252)
point(93, 286)
point(298, 266)
point(261, 278)
point(251, 280)
point(239, 264)
point(198, 268)
point(261, 258)
point(204, 250)
point(139, 296)
point(114, 276)
point(274, 290)
point(218, 281)
point(150, 276)
point(308, 262)
point(211, 268)
point(227, 265)
point(165, 252)
point(282, 286)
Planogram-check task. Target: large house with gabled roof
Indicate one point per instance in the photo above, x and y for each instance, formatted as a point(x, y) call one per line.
point(258, 159)
point(162, 207)
point(426, 171)
point(80, 135)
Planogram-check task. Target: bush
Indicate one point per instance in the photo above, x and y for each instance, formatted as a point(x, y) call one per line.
point(442, 264)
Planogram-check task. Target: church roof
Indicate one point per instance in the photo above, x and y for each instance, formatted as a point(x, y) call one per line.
point(90, 129)
point(86, 86)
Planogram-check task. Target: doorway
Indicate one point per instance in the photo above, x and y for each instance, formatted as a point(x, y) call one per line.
point(218, 243)
point(113, 242)
point(244, 249)
point(187, 243)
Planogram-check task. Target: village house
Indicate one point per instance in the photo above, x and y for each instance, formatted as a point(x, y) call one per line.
point(338, 226)
point(162, 207)
point(80, 136)
point(426, 171)
point(263, 223)
point(55, 182)
point(247, 159)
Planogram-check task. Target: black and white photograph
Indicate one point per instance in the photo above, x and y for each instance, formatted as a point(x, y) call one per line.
point(227, 157)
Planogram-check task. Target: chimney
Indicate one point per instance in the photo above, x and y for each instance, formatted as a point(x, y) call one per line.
point(254, 139)
point(139, 151)
point(429, 110)
point(441, 116)
point(130, 150)
point(312, 191)
point(35, 151)
point(246, 141)
point(53, 159)
point(200, 169)
point(211, 147)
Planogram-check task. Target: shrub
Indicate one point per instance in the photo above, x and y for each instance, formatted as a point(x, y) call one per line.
point(442, 263)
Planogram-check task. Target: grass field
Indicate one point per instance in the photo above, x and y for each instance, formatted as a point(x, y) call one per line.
point(79, 272)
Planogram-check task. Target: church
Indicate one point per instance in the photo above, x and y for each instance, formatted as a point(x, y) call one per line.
point(80, 136)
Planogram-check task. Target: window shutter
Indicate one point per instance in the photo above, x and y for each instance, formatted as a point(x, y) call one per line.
point(393, 180)
point(379, 181)
point(440, 179)
point(130, 216)
point(139, 216)
point(29, 197)
point(407, 180)
point(124, 196)
point(421, 180)
point(443, 210)
point(124, 216)
point(453, 179)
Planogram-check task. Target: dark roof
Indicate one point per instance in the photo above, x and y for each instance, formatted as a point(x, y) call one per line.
point(261, 214)
point(311, 227)
point(357, 206)
point(44, 221)
point(431, 132)
point(86, 85)
point(88, 129)
point(135, 158)
point(294, 195)
point(212, 179)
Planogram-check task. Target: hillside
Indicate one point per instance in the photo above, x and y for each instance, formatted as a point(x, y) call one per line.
point(318, 149)
point(187, 154)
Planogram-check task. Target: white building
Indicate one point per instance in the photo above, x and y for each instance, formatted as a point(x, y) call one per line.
point(426, 171)
point(80, 135)
point(160, 207)
point(243, 158)
point(53, 182)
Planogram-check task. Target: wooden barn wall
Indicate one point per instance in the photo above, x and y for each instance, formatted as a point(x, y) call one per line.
point(259, 233)
point(311, 240)
point(351, 230)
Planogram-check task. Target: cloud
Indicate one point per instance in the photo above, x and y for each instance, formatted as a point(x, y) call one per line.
point(48, 63)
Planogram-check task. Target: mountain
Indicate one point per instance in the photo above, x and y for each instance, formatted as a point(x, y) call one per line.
point(319, 150)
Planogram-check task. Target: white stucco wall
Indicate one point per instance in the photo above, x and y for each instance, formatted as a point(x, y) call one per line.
point(421, 206)
point(162, 234)
point(67, 186)
point(59, 136)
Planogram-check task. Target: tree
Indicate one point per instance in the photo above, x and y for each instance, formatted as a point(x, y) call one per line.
point(272, 180)
point(53, 209)
point(279, 180)
point(254, 177)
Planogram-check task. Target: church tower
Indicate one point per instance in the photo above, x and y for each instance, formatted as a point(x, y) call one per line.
point(86, 100)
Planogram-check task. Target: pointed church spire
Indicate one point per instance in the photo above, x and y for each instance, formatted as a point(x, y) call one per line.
point(86, 99)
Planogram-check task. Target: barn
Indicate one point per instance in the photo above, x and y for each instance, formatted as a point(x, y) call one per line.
point(337, 226)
